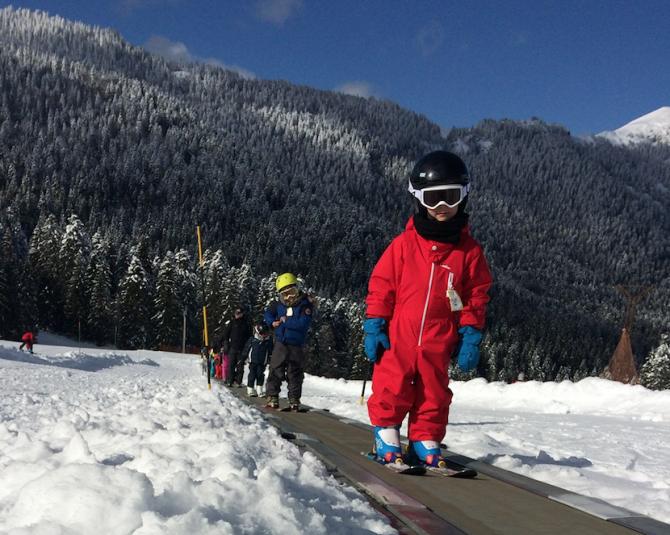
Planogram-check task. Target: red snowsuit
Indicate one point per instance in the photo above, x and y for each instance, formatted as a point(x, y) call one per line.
point(217, 366)
point(28, 340)
point(408, 287)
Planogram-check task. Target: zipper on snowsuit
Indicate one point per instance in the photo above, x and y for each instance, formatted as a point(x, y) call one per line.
point(425, 306)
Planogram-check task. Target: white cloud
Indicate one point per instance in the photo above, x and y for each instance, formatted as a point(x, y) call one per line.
point(430, 38)
point(170, 50)
point(357, 88)
point(179, 53)
point(277, 11)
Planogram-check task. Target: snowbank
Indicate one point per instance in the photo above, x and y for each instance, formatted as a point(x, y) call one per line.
point(113, 443)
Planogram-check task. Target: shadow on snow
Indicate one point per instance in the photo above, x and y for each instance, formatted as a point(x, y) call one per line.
point(543, 458)
point(83, 362)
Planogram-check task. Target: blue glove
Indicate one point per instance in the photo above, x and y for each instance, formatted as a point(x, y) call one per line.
point(468, 350)
point(374, 335)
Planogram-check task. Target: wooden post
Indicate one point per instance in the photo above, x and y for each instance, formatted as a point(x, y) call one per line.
point(204, 306)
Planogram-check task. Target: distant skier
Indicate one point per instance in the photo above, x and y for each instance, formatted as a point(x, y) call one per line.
point(290, 316)
point(27, 340)
point(257, 351)
point(426, 301)
point(235, 334)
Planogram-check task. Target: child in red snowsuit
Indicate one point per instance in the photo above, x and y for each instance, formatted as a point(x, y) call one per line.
point(27, 340)
point(426, 301)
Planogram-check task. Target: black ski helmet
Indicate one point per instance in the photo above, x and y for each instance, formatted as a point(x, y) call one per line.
point(438, 168)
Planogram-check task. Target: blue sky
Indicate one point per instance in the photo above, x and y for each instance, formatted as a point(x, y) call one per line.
point(590, 65)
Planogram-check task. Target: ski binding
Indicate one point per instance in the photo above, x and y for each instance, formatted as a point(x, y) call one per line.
point(398, 468)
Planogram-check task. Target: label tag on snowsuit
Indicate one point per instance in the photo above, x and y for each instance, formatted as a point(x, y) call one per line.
point(289, 311)
point(454, 299)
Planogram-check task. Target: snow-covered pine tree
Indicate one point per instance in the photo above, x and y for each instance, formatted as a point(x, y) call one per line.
point(44, 260)
point(324, 358)
point(27, 289)
point(238, 289)
point(355, 315)
point(187, 292)
point(216, 269)
point(167, 304)
point(9, 267)
point(246, 290)
point(99, 288)
point(536, 371)
point(74, 256)
point(4, 302)
point(655, 372)
point(320, 342)
point(133, 306)
point(266, 293)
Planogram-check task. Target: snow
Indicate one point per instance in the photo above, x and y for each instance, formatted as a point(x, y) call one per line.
point(595, 437)
point(101, 441)
point(107, 441)
point(653, 127)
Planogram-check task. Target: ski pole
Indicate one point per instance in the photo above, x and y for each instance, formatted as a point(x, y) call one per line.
point(362, 400)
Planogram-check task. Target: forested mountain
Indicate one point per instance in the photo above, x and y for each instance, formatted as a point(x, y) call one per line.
point(125, 153)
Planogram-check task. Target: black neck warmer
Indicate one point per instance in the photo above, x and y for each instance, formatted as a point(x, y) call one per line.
point(440, 231)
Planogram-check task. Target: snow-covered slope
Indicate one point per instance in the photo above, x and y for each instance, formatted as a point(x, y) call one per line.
point(103, 441)
point(653, 128)
point(93, 441)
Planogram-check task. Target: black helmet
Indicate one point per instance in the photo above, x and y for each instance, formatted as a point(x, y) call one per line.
point(438, 168)
point(262, 328)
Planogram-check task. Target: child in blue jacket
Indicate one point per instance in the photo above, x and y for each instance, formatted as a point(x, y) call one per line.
point(257, 351)
point(290, 317)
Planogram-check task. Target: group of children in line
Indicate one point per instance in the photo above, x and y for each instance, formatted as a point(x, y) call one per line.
point(256, 353)
point(281, 352)
point(426, 306)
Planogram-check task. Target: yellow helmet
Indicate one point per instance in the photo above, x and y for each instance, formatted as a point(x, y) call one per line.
point(284, 280)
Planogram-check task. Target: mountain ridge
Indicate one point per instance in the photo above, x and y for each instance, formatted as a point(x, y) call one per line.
point(289, 178)
point(653, 127)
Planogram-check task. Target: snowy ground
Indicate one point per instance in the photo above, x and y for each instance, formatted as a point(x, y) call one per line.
point(133, 442)
point(95, 441)
point(595, 437)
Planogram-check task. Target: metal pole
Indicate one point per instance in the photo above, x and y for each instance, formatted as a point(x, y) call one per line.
point(183, 334)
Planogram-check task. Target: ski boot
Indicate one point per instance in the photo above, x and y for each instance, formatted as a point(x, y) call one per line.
point(273, 402)
point(427, 452)
point(260, 392)
point(387, 445)
point(294, 405)
point(251, 392)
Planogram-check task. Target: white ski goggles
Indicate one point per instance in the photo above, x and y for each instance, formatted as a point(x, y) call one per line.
point(289, 291)
point(450, 195)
